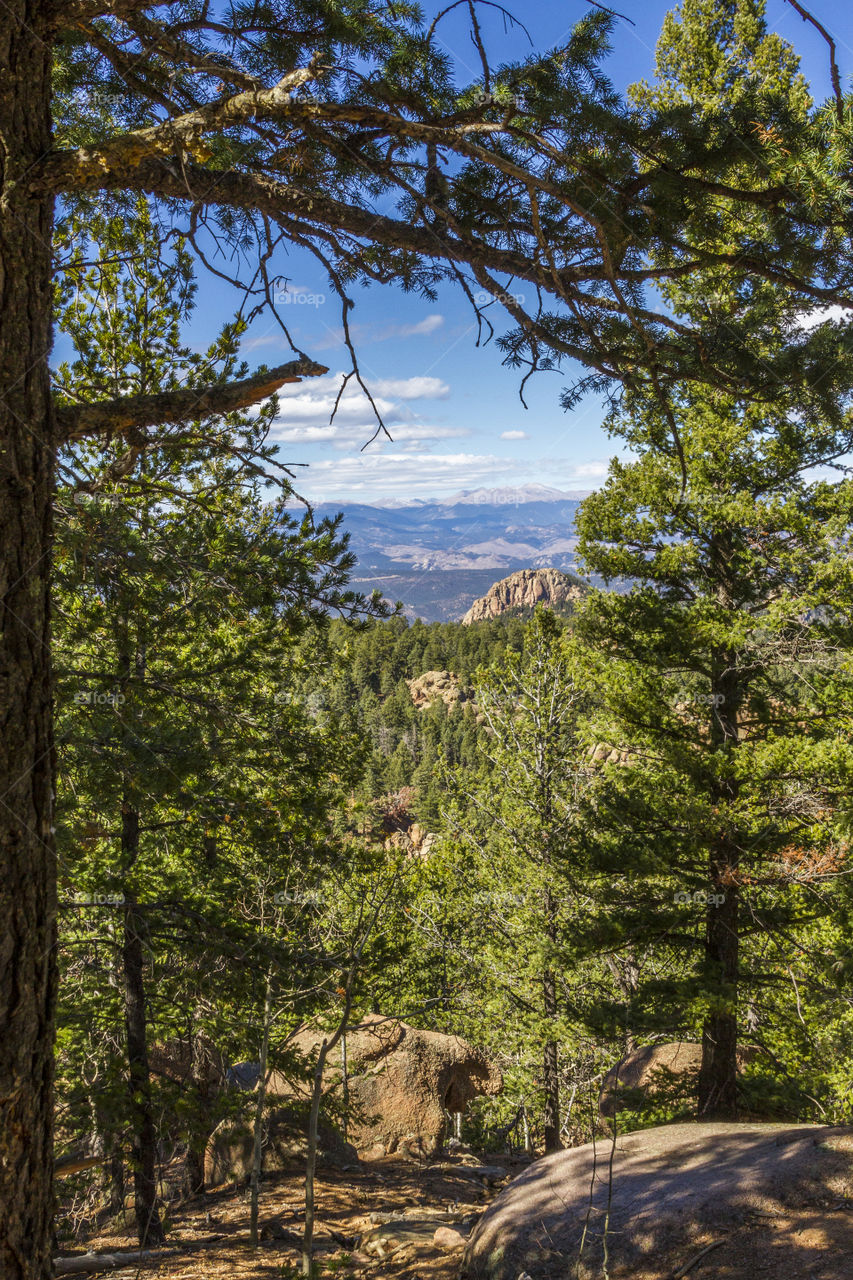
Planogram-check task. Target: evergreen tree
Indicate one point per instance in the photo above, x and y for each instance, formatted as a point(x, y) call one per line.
point(725, 667)
point(181, 593)
point(515, 831)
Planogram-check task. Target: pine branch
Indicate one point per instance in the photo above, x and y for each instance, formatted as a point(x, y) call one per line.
point(130, 414)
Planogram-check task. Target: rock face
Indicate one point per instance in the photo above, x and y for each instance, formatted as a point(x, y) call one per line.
point(671, 1069)
point(230, 1148)
point(671, 1186)
point(401, 1083)
point(523, 590)
point(426, 688)
point(189, 1061)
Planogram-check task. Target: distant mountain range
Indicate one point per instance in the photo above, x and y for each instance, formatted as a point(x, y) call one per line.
point(437, 557)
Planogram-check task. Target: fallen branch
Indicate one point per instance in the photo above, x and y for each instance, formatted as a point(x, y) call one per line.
point(67, 1165)
point(688, 1266)
point(88, 1263)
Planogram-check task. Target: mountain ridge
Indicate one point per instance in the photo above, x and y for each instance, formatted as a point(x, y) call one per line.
point(438, 557)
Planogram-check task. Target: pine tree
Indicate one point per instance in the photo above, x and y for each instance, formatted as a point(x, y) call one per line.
point(516, 832)
point(181, 592)
point(725, 667)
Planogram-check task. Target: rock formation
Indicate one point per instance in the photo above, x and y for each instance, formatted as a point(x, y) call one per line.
point(401, 1083)
point(673, 1189)
point(523, 590)
point(426, 688)
point(670, 1070)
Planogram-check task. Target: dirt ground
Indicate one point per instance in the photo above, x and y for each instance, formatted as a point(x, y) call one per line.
point(346, 1199)
point(803, 1244)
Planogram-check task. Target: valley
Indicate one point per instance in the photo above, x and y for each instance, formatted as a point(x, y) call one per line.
point(438, 557)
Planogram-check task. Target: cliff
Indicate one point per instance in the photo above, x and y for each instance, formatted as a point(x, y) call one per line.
point(523, 590)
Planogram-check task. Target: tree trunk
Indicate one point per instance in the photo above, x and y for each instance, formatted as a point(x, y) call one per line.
point(200, 1125)
point(550, 1063)
point(551, 1071)
point(148, 1227)
point(116, 1183)
point(27, 854)
point(718, 1073)
point(311, 1163)
point(260, 1106)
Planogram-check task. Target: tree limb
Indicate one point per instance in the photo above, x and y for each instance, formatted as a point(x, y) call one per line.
point(129, 414)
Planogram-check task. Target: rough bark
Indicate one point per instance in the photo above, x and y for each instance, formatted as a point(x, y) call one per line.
point(718, 1074)
point(148, 1227)
point(260, 1106)
point(27, 853)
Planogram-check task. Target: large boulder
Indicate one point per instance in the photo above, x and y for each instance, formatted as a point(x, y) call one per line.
point(674, 1189)
point(401, 1083)
point(230, 1149)
point(666, 1072)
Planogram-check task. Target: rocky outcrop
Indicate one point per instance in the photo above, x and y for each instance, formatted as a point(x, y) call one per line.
point(401, 1083)
point(424, 689)
point(193, 1060)
point(230, 1148)
point(673, 1189)
point(524, 590)
point(668, 1071)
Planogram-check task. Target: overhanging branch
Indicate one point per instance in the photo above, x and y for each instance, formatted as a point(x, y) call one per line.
point(130, 414)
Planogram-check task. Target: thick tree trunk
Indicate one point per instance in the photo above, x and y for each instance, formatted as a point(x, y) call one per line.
point(148, 1227)
point(201, 1125)
point(27, 855)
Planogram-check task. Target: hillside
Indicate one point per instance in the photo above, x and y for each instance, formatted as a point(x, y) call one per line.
point(438, 557)
point(522, 591)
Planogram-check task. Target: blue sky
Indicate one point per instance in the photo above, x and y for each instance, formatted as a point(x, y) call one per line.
point(453, 410)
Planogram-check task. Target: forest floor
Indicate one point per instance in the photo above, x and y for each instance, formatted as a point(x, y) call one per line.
point(353, 1205)
point(355, 1239)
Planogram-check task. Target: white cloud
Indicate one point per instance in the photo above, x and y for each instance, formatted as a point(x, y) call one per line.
point(428, 325)
point(305, 410)
point(591, 469)
point(363, 335)
point(422, 388)
point(406, 470)
point(513, 435)
point(376, 473)
point(811, 319)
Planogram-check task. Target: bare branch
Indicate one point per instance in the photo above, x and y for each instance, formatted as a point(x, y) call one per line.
point(833, 63)
point(130, 414)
